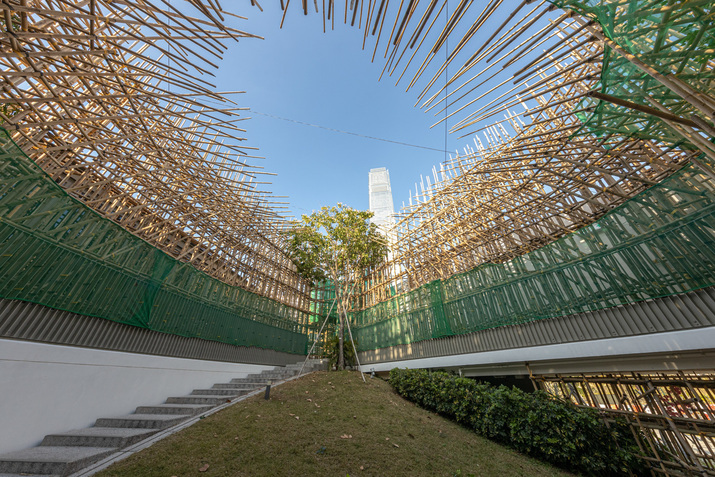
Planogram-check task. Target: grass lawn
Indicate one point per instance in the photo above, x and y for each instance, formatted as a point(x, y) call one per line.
point(328, 424)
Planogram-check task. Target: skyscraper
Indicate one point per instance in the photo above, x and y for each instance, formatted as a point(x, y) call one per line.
point(381, 199)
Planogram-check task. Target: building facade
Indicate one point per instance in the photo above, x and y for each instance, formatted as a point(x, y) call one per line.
point(381, 199)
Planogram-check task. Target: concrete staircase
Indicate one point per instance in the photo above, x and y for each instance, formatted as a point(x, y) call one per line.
point(68, 452)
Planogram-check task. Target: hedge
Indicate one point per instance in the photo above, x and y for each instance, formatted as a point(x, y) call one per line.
point(534, 424)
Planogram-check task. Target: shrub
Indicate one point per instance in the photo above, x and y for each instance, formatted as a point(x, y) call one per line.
point(534, 424)
point(331, 352)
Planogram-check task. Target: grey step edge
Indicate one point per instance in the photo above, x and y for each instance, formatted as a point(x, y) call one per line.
point(115, 437)
point(181, 409)
point(219, 392)
point(64, 453)
point(141, 421)
point(241, 386)
point(203, 399)
point(52, 460)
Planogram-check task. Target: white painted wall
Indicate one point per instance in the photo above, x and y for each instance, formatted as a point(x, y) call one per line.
point(657, 351)
point(49, 388)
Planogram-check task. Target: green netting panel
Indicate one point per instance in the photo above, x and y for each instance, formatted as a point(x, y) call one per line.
point(322, 308)
point(674, 38)
point(57, 252)
point(661, 242)
point(413, 316)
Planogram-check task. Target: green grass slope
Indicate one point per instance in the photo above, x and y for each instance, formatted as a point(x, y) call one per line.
point(327, 424)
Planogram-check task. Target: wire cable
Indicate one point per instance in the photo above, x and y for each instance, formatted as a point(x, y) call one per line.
point(348, 132)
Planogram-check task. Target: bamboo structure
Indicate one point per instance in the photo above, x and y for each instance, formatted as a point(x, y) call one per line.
point(536, 171)
point(574, 108)
point(671, 414)
point(111, 99)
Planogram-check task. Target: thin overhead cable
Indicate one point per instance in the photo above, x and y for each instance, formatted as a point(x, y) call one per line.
point(351, 133)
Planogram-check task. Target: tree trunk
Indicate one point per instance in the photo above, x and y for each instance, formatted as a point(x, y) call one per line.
point(341, 335)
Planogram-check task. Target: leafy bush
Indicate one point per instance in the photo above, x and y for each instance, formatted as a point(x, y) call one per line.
point(535, 424)
point(331, 351)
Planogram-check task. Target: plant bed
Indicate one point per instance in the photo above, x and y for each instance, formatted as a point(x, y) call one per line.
point(535, 424)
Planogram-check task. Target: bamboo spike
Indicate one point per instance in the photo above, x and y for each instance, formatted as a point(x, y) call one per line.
point(146, 143)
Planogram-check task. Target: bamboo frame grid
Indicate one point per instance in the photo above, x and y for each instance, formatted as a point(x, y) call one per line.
point(535, 174)
point(108, 97)
point(672, 414)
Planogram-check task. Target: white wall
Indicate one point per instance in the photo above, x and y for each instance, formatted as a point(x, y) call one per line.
point(50, 388)
point(688, 349)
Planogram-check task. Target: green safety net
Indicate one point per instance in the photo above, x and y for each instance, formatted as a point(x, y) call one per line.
point(323, 308)
point(57, 252)
point(676, 39)
point(659, 243)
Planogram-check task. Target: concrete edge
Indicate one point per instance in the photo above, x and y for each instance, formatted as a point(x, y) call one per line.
point(656, 351)
point(26, 321)
point(148, 442)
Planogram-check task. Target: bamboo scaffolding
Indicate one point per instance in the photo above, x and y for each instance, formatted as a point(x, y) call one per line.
point(111, 99)
point(535, 175)
point(670, 413)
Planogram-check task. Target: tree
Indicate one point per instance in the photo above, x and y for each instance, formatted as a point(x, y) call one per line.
point(338, 244)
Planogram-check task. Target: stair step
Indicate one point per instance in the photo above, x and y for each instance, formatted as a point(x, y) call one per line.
point(256, 381)
point(52, 460)
point(219, 392)
point(273, 376)
point(61, 454)
point(182, 409)
point(98, 437)
point(213, 400)
point(141, 421)
point(25, 474)
point(242, 386)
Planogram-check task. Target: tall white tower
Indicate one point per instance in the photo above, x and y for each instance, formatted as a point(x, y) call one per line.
point(381, 199)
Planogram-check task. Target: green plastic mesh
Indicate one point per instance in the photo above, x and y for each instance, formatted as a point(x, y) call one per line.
point(322, 307)
point(57, 252)
point(675, 38)
point(660, 243)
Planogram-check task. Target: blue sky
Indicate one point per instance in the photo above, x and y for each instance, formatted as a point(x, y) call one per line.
point(300, 73)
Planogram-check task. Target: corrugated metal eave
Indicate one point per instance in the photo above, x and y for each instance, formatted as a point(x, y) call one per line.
point(32, 322)
point(673, 313)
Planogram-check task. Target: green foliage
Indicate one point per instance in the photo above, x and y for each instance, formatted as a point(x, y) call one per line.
point(331, 351)
point(535, 424)
point(336, 243)
point(15, 22)
point(8, 111)
point(256, 437)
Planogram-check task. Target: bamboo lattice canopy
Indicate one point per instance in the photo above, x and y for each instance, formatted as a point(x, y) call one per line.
point(111, 99)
